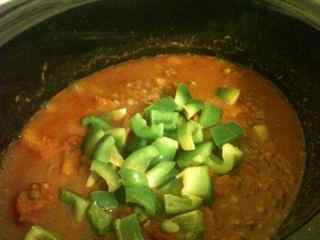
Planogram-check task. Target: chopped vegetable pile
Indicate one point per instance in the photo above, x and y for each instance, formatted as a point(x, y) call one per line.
point(161, 166)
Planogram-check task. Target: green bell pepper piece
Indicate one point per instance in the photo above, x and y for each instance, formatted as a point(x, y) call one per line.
point(141, 129)
point(79, 205)
point(197, 182)
point(183, 96)
point(96, 122)
point(104, 199)
point(228, 95)
point(128, 228)
point(108, 173)
point(100, 220)
point(130, 177)
point(192, 108)
point(39, 233)
point(92, 138)
point(169, 120)
point(231, 156)
point(175, 204)
point(159, 174)
point(196, 157)
point(210, 116)
point(226, 133)
point(140, 159)
point(143, 197)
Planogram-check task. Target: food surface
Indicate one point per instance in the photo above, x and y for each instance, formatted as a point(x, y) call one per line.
point(162, 148)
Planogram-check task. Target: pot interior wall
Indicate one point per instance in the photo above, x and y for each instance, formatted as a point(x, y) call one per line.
point(42, 61)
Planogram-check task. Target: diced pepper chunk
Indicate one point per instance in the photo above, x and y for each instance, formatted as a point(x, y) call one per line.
point(104, 199)
point(96, 122)
point(173, 187)
point(164, 104)
point(183, 96)
point(140, 160)
point(196, 157)
point(128, 228)
point(144, 197)
point(197, 182)
point(191, 225)
point(170, 227)
point(189, 134)
point(108, 173)
point(229, 95)
point(231, 157)
point(160, 173)
point(92, 138)
point(115, 115)
point(175, 204)
point(141, 129)
point(130, 177)
point(134, 143)
point(103, 149)
point(168, 119)
point(210, 116)
point(119, 135)
point(192, 108)
point(39, 233)
point(226, 133)
point(167, 148)
point(79, 205)
point(100, 220)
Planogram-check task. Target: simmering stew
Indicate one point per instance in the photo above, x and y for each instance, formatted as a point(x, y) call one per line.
point(169, 147)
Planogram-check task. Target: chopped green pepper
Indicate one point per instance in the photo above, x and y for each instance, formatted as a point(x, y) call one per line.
point(185, 136)
point(196, 157)
point(173, 187)
point(174, 204)
point(79, 205)
point(108, 173)
point(164, 104)
point(210, 116)
point(197, 182)
point(141, 129)
point(192, 108)
point(100, 219)
point(97, 122)
point(225, 133)
point(140, 159)
point(92, 180)
point(39, 233)
point(104, 199)
point(115, 157)
point(119, 135)
point(128, 228)
point(170, 227)
point(141, 213)
point(132, 177)
point(183, 96)
point(189, 134)
point(115, 115)
point(143, 197)
point(167, 148)
point(197, 133)
point(134, 143)
point(191, 225)
point(160, 173)
point(231, 157)
point(92, 138)
point(168, 119)
point(229, 95)
point(103, 148)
